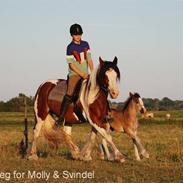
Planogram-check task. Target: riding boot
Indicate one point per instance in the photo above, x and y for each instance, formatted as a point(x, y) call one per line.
point(63, 109)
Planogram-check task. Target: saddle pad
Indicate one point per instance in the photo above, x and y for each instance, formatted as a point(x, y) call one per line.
point(58, 92)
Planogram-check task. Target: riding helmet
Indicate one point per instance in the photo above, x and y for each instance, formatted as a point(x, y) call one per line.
point(76, 29)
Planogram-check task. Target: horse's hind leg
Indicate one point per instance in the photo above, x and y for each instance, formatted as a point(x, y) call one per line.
point(36, 133)
point(73, 148)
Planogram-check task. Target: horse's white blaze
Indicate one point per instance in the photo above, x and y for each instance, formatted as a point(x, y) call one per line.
point(142, 104)
point(113, 87)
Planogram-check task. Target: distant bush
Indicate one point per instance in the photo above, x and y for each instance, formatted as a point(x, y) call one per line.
point(16, 104)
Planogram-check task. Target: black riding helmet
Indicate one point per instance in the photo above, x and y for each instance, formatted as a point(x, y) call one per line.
point(76, 29)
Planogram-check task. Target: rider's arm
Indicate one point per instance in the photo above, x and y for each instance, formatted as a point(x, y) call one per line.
point(76, 70)
point(89, 58)
point(90, 64)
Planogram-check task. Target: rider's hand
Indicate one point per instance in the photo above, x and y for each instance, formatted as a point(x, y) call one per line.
point(85, 76)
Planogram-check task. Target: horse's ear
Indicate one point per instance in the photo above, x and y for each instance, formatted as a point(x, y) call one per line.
point(130, 94)
point(115, 61)
point(101, 61)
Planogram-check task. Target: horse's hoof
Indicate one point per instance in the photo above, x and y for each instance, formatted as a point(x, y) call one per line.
point(120, 158)
point(84, 158)
point(33, 157)
point(145, 155)
point(111, 158)
point(76, 156)
point(138, 159)
point(101, 156)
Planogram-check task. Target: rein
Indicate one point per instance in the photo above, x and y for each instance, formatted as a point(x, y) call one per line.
point(104, 88)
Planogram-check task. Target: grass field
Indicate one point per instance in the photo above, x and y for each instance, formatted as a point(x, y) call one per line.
point(162, 138)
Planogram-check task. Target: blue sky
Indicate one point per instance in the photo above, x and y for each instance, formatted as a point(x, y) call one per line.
point(145, 35)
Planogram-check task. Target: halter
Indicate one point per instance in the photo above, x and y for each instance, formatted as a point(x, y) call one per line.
point(105, 88)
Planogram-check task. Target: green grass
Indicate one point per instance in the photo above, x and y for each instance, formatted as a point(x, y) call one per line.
point(162, 138)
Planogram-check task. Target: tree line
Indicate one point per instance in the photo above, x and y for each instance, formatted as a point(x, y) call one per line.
point(156, 104)
point(16, 104)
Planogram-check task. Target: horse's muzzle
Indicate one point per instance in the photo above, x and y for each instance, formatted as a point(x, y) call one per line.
point(114, 94)
point(143, 110)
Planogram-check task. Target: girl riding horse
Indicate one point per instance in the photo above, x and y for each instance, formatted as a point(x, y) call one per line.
point(92, 102)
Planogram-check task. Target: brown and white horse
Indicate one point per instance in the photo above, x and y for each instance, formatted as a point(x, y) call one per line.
point(127, 122)
point(92, 105)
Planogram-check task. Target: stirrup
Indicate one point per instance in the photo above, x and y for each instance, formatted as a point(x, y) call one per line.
point(58, 125)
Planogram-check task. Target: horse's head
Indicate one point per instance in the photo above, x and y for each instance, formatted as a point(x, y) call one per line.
point(107, 77)
point(138, 102)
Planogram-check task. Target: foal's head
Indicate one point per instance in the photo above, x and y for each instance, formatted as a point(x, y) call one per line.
point(107, 77)
point(139, 104)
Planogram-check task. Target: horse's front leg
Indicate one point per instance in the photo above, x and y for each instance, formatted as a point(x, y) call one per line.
point(86, 151)
point(140, 151)
point(73, 147)
point(104, 150)
point(108, 139)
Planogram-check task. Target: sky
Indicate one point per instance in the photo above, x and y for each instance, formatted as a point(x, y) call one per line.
point(145, 35)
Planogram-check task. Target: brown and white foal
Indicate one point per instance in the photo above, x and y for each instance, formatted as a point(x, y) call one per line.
point(127, 122)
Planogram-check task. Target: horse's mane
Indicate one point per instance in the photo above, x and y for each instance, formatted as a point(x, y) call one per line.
point(136, 95)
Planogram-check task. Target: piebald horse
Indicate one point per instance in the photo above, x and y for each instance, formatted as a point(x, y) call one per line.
point(92, 105)
point(127, 122)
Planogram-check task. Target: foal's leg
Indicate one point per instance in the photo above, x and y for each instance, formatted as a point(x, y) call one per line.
point(73, 148)
point(140, 151)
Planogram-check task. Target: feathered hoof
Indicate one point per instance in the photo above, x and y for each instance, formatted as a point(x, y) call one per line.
point(33, 157)
point(101, 156)
point(144, 155)
point(111, 157)
point(120, 158)
point(85, 158)
point(76, 156)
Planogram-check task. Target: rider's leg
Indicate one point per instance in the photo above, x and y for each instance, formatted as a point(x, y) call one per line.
point(72, 82)
point(63, 109)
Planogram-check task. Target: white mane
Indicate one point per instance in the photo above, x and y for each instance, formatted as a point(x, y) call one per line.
point(89, 89)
